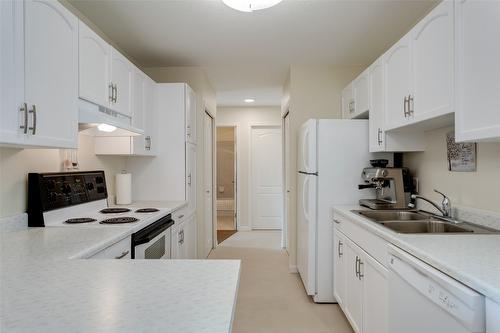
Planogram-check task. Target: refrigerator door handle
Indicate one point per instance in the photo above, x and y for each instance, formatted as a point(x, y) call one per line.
point(305, 195)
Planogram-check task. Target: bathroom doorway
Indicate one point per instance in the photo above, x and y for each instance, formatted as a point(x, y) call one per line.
point(226, 182)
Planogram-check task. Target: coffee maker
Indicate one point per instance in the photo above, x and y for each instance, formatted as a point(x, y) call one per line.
point(393, 187)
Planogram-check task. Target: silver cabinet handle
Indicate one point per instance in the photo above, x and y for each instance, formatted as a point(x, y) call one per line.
point(405, 102)
point(356, 267)
point(181, 216)
point(111, 92)
point(340, 249)
point(189, 179)
point(116, 93)
point(360, 275)
point(336, 221)
point(33, 128)
point(410, 105)
point(379, 136)
point(188, 131)
point(148, 143)
point(24, 109)
point(124, 253)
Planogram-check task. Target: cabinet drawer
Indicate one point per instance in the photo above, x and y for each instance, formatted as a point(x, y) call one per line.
point(180, 214)
point(370, 243)
point(120, 250)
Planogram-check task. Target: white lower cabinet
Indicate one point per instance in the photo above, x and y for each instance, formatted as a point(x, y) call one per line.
point(184, 237)
point(119, 250)
point(360, 286)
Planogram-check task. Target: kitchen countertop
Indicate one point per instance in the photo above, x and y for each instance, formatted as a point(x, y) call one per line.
point(42, 290)
point(473, 260)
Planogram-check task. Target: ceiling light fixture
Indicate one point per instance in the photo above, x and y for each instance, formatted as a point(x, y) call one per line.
point(249, 100)
point(106, 128)
point(251, 5)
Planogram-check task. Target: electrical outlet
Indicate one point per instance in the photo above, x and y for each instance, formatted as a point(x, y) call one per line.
point(415, 184)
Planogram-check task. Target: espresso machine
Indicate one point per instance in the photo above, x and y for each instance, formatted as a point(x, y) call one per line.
point(393, 187)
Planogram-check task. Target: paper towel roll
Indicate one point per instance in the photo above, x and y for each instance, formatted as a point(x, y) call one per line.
point(123, 188)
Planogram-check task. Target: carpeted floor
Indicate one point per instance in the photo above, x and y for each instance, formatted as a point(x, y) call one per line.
point(270, 299)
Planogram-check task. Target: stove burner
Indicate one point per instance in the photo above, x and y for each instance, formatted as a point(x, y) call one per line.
point(119, 220)
point(146, 210)
point(80, 220)
point(114, 210)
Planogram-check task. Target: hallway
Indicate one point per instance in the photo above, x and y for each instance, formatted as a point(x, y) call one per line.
point(270, 299)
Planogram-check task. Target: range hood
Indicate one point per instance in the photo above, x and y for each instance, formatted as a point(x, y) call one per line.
point(91, 117)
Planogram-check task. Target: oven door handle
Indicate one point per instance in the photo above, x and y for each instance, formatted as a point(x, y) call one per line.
point(143, 239)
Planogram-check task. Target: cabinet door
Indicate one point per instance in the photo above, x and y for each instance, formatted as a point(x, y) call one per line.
point(190, 237)
point(361, 94)
point(339, 269)
point(376, 121)
point(477, 24)
point(146, 144)
point(397, 67)
point(12, 116)
point(347, 102)
point(51, 74)
point(121, 77)
point(94, 61)
point(432, 59)
point(190, 115)
point(353, 307)
point(191, 177)
point(374, 295)
point(176, 249)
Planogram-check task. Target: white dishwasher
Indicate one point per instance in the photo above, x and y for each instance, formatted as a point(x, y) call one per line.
point(423, 299)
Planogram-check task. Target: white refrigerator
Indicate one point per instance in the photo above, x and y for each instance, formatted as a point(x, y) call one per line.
point(331, 156)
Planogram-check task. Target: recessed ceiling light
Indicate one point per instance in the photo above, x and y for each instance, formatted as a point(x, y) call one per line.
point(106, 128)
point(251, 5)
point(249, 100)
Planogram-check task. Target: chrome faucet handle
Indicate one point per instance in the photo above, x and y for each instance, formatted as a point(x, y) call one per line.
point(446, 203)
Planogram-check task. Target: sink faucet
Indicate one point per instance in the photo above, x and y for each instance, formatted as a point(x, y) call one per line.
point(445, 208)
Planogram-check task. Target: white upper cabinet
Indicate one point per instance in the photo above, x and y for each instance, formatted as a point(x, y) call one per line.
point(361, 92)
point(477, 27)
point(398, 69)
point(12, 73)
point(39, 75)
point(348, 102)
point(121, 81)
point(432, 59)
point(94, 61)
point(190, 115)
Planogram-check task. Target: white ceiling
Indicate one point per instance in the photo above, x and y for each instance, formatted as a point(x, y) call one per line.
point(248, 54)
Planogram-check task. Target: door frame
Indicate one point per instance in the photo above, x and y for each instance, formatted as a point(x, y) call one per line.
point(251, 127)
point(285, 133)
point(214, 170)
point(237, 209)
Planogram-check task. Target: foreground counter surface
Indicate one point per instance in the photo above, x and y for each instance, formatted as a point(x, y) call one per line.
point(42, 290)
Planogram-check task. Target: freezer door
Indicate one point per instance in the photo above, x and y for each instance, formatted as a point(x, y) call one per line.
point(307, 147)
point(306, 230)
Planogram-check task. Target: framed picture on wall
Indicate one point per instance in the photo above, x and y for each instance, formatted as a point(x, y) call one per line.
point(461, 156)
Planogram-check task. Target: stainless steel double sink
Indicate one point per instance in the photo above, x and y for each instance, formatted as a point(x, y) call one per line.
point(418, 222)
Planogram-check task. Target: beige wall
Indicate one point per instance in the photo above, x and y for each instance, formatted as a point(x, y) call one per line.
point(15, 164)
point(310, 92)
point(243, 118)
point(478, 189)
point(225, 163)
point(196, 78)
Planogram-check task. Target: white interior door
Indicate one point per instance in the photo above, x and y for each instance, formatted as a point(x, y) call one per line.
point(266, 178)
point(209, 204)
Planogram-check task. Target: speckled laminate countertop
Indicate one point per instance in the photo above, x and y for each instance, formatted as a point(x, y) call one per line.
point(42, 290)
point(473, 260)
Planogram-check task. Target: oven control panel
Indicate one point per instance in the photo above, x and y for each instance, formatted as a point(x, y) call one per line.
point(58, 190)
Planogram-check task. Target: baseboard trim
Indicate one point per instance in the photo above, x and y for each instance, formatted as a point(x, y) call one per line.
point(244, 228)
point(293, 269)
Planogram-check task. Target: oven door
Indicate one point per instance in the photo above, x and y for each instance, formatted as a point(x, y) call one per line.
point(157, 248)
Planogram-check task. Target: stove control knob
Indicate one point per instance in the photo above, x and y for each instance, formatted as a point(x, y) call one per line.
point(90, 186)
